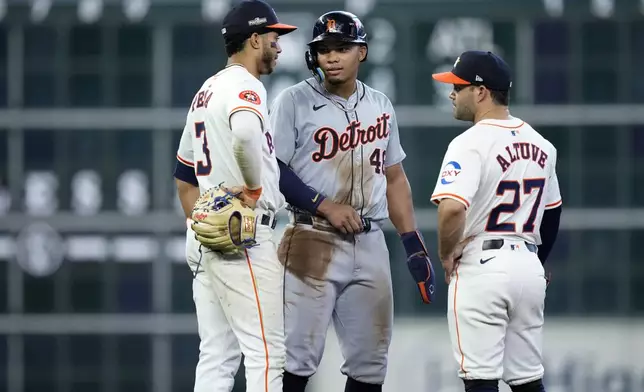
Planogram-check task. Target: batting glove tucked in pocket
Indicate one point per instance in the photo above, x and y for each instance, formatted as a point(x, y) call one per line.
point(419, 265)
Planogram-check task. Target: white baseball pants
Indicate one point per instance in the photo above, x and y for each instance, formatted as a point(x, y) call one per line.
point(239, 305)
point(495, 313)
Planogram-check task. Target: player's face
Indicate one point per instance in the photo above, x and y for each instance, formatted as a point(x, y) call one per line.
point(339, 60)
point(270, 50)
point(462, 97)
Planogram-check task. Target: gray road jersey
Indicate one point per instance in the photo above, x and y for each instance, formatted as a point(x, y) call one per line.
point(342, 155)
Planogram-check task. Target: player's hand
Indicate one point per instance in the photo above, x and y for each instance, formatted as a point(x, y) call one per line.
point(458, 250)
point(342, 217)
point(450, 264)
point(243, 194)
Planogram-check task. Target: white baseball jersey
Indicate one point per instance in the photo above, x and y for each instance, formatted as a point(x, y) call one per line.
point(206, 143)
point(503, 171)
point(342, 155)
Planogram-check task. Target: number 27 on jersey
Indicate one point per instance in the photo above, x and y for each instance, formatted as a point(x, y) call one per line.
point(527, 187)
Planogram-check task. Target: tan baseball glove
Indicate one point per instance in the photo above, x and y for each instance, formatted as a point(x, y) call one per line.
point(223, 223)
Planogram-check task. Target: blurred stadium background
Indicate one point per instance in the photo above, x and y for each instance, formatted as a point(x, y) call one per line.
point(95, 294)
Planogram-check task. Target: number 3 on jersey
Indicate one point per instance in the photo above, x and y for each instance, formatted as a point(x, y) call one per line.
point(529, 185)
point(203, 169)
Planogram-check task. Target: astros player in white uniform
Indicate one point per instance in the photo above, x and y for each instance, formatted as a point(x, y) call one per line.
point(340, 157)
point(498, 216)
point(228, 139)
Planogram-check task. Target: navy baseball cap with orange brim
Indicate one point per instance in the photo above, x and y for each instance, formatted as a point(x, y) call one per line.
point(478, 68)
point(252, 16)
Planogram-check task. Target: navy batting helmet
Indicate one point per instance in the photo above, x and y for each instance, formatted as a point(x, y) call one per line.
point(341, 25)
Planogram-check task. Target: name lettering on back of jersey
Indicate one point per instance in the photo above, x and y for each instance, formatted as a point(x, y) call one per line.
point(521, 151)
point(201, 100)
point(330, 142)
point(450, 172)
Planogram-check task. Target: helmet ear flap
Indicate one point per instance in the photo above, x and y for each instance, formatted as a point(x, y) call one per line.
point(312, 65)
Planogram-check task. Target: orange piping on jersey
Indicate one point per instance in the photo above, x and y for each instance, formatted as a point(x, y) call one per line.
point(503, 126)
point(451, 195)
point(261, 319)
point(185, 161)
point(458, 333)
point(555, 204)
point(238, 108)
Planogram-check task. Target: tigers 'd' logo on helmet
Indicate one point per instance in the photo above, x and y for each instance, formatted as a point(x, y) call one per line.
point(330, 26)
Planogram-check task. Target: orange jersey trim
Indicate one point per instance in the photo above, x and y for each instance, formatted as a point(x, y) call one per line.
point(451, 196)
point(261, 319)
point(503, 126)
point(458, 332)
point(555, 204)
point(238, 108)
point(185, 161)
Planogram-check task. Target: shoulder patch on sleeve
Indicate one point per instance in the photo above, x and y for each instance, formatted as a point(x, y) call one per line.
point(449, 173)
point(250, 96)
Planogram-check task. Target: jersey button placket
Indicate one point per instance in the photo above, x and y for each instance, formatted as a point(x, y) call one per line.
point(357, 167)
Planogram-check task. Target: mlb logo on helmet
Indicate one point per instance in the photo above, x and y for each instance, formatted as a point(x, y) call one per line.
point(449, 173)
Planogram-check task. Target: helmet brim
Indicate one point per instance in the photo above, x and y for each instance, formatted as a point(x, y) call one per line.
point(327, 36)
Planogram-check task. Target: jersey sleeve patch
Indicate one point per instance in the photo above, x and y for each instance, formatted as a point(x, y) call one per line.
point(250, 96)
point(450, 172)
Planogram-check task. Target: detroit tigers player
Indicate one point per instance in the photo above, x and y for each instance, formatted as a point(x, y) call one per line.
point(340, 157)
point(498, 217)
point(227, 139)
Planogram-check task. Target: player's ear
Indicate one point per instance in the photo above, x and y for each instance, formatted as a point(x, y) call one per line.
point(255, 41)
point(481, 92)
point(363, 52)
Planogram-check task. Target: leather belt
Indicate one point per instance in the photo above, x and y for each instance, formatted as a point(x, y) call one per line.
point(498, 244)
point(307, 219)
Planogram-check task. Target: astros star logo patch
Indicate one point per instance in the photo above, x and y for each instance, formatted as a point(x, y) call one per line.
point(250, 96)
